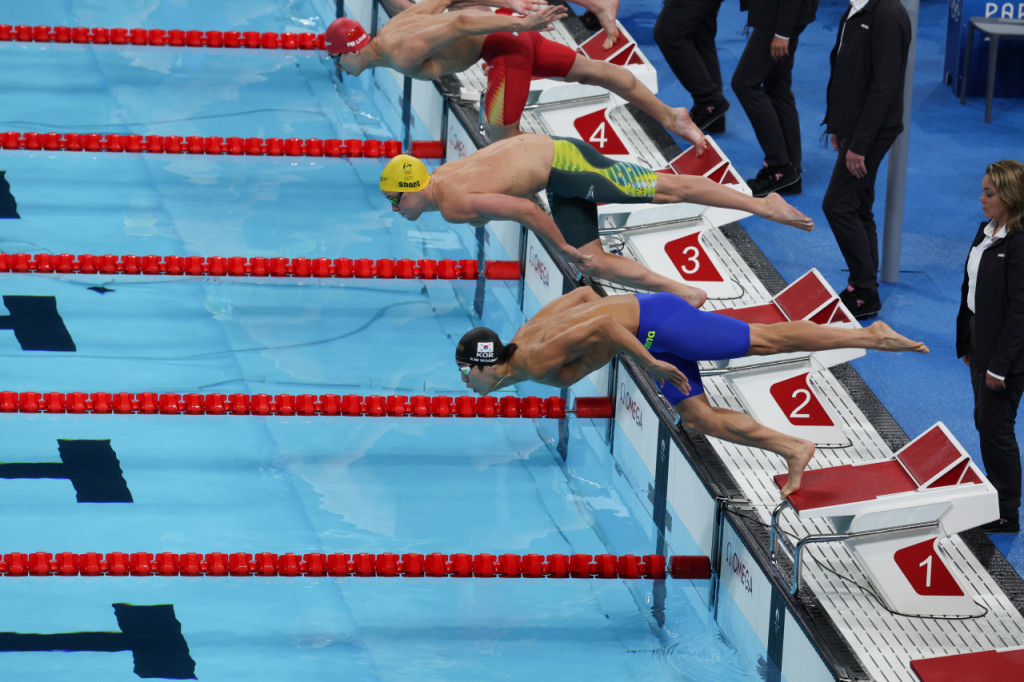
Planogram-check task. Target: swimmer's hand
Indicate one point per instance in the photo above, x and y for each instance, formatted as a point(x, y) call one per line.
point(526, 7)
point(665, 371)
point(537, 21)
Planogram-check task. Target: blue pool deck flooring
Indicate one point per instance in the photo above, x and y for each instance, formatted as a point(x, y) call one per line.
point(949, 148)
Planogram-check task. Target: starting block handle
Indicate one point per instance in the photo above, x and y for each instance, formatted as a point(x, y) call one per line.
point(795, 550)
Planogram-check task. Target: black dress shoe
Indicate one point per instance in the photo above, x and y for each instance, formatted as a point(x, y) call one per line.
point(861, 302)
point(1001, 526)
point(717, 126)
point(795, 188)
point(704, 115)
point(773, 179)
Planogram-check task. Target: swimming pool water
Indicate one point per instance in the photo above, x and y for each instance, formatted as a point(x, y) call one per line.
point(288, 484)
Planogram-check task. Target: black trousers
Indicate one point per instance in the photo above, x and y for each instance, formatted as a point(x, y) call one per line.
point(848, 206)
point(685, 32)
point(995, 415)
point(765, 89)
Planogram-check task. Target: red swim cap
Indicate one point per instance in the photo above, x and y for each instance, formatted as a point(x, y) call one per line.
point(345, 35)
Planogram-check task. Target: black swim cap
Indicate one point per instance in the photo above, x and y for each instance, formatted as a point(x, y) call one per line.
point(479, 346)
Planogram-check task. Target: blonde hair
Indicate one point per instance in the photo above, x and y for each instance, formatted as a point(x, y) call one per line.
point(1008, 177)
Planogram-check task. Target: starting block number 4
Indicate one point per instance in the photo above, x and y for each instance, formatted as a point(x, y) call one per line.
point(598, 131)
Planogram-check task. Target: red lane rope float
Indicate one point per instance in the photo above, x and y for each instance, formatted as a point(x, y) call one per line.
point(231, 146)
point(238, 266)
point(307, 405)
point(605, 566)
point(158, 36)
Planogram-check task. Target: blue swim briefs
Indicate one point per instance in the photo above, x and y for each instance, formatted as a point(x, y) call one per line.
point(674, 331)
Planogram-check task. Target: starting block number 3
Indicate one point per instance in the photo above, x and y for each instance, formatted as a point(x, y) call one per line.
point(691, 260)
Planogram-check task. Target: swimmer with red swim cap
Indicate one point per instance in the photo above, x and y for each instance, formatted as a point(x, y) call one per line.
point(500, 181)
point(580, 332)
point(425, 42)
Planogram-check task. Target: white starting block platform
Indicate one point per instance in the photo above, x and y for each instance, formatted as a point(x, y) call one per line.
point(780, 390)
point(889, 515)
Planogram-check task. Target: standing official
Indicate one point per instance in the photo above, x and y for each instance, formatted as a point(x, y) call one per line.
point(864, 115)
point(990, 333)
point(763, 83)
point(685, 32)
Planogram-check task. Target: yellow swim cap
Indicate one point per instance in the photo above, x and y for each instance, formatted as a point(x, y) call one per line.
point(404, 173)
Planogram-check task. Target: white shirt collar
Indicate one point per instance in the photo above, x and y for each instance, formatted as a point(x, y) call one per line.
point(856, 6)
point(992, 228)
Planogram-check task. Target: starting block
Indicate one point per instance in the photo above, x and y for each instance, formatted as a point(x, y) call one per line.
point(808, 298)
point(890, 514)
point(994, 664)
point(777, 390)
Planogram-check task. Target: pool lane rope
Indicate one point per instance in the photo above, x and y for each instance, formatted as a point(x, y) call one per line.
point(231, 146)
point(239, 266)
point(158, 37)
point(307, 405)
point(436, 565)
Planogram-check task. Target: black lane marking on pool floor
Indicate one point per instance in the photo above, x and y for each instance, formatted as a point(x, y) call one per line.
point(91, 466)
point(36, 323)
point(8, 206)
point(152, 633)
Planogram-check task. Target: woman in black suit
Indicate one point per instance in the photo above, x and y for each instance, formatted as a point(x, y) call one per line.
point(990, 332)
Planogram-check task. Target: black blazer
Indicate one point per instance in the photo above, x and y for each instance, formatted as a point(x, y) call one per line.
point(864, 100)
point(781, 17)
point(998, 346)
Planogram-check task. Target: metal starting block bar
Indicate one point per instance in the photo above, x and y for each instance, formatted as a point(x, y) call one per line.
point(889, 514)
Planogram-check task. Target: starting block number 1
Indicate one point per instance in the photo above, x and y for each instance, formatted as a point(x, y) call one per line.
point(925, 571)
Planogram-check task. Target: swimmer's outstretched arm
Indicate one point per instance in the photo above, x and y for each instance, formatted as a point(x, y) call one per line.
point(430, 37)
point(472, 207)
point(521, 6)
point(603, 331)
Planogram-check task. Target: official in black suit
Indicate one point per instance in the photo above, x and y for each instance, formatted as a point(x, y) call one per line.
point(685, 32)
point(863, 117)
point(763, 83)
point(990, 332)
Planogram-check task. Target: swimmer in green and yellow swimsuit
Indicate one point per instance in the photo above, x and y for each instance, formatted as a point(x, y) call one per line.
point(581, 177)
point(500, 182)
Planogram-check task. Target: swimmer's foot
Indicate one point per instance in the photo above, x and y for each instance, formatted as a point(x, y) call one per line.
point(779, 210)
point(695, 296)
point(796, 463)
point(888, 340)
point(682, 125)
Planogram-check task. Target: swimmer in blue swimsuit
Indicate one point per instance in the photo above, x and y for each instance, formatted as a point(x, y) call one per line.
point(581, 331)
